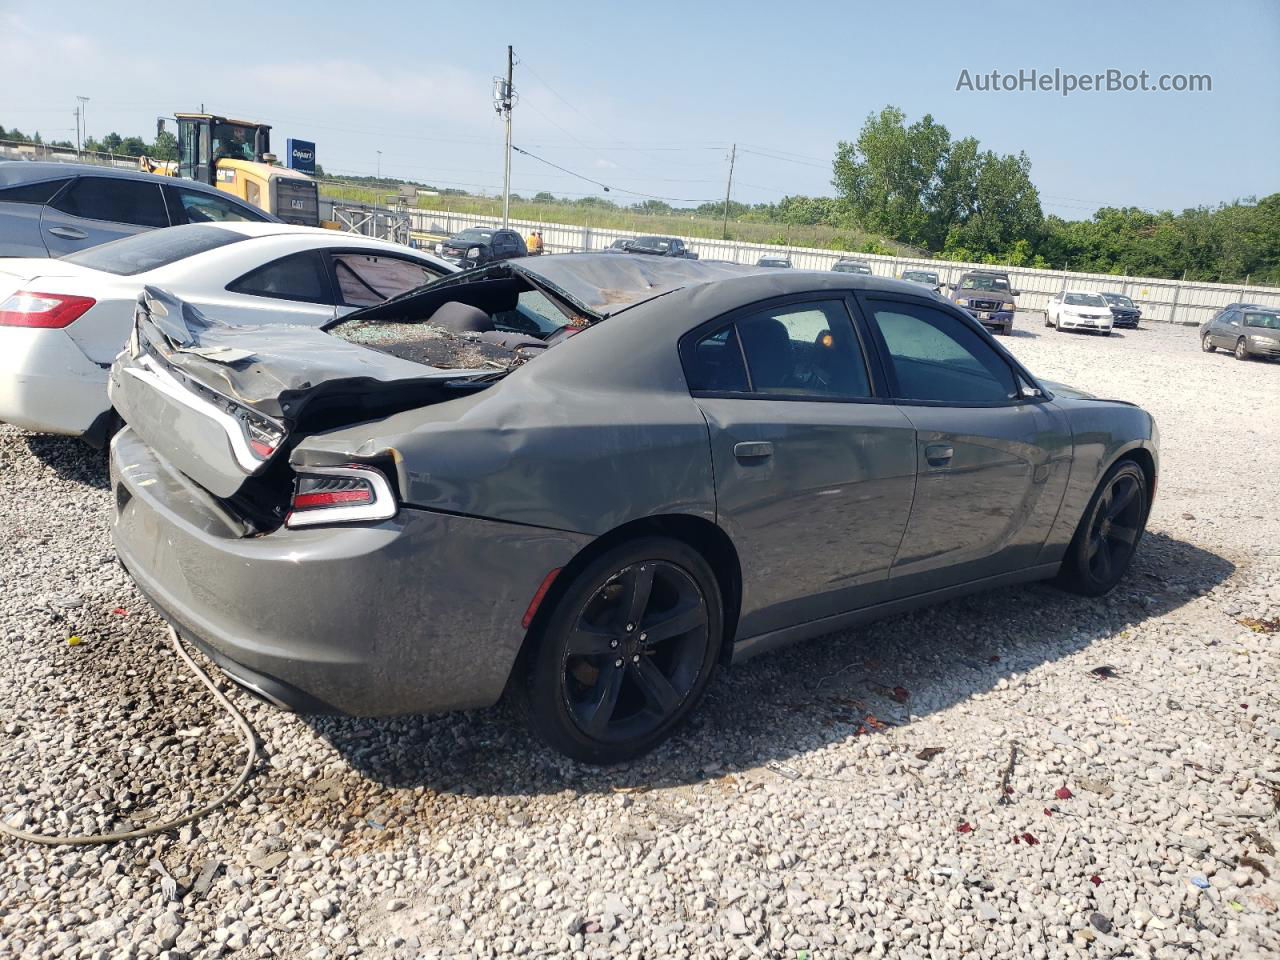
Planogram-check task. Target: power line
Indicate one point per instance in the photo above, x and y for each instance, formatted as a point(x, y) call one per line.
point(604, 186)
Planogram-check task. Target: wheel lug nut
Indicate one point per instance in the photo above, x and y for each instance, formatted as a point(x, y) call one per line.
point(644, 636)
point(617, 663)
point(636, 658)
point(630, 627)
point(613, 644)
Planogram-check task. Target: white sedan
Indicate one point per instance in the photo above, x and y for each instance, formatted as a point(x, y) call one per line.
point(63, 321)
point(1078, 310)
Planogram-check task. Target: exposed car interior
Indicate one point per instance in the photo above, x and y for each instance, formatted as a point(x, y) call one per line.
point(506, 313)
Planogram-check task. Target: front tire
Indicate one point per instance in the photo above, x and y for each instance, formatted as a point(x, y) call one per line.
point(626, 654)
point(1109, 532)
point(1206, 344)
point(1242, 350)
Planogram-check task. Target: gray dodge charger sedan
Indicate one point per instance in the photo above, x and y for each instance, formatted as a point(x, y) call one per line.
point(589, 480)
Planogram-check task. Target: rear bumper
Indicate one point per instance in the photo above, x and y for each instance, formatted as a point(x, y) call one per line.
point(420, 613)
point(47, 384)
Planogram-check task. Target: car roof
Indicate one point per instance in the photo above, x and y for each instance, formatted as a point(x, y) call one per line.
point(13, 172)
point(252, 229)
point(605, 285)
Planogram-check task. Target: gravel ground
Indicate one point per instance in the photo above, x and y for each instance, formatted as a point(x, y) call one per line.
point(955, 782)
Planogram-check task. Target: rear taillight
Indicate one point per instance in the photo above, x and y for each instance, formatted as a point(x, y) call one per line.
point(340, 495)
point(26, 308)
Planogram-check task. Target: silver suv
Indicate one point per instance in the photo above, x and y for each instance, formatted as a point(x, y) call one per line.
point(53, 209)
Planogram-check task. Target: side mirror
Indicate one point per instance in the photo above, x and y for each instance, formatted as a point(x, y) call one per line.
point(1015, 293)
point(951, 286)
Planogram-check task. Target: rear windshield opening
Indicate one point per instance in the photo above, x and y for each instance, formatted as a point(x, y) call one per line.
point(485, 322)
point(155, 248)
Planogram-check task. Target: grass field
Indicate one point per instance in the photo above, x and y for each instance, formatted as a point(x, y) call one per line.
point(786, 234)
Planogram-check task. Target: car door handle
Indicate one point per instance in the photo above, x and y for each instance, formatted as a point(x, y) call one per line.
point(939, 454)
point(68, 233)
point(753, 450)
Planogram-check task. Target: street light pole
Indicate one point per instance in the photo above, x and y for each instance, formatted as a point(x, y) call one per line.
point(505, 110)
point(379, 152)
point(81, 121)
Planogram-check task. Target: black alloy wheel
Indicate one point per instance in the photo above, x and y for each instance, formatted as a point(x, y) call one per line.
point(1108, 535)
point(627, 652)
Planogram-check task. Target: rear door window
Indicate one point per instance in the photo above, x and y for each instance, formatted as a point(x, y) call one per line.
point(115, 199)
point(300, 276)
point(800, 350)
point(365, 279)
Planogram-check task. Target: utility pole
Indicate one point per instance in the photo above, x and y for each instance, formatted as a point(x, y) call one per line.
point(76, 111)
point(81, 119)
point(503, 94)
point(379, 152)
point(724, 230)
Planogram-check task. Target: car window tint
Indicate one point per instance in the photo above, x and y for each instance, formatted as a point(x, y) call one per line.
point(804, 350)
point(298, 277)
point(714, 364)
point(200, 207)
point(365, 279)
point(939, 357)
point(115, 199)
point(41, 192)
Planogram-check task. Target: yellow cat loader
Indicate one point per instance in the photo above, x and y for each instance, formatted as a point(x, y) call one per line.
point(235, 156)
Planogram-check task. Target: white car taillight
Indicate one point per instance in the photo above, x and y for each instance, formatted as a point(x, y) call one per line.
point(26, 308)
point(346, 494)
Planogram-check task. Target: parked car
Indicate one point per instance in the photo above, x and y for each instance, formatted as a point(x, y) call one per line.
point(661, 247)
point(1124, 312)
point(783, 262)
point(927, 278)
point(687, 464)
point(53, 209)
point(477, 246)
point(1079, 310)
point(988, 297)
point(62, 321)
point(1247, 330)
point(621, 245)
point(846, 265)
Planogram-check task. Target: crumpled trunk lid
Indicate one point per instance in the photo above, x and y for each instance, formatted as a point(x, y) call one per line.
point(224, 403)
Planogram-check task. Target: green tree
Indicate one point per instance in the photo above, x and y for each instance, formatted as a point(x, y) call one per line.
point(166, 147)
point(1002, 210)
point(888, 178)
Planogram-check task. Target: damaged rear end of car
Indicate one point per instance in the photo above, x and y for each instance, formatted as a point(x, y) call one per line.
point(293, 559)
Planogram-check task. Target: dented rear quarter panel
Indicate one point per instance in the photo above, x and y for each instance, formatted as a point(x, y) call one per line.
point(574, 440)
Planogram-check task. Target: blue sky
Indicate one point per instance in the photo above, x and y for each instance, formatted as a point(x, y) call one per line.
point(648, 96)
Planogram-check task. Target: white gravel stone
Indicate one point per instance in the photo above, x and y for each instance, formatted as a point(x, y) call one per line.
point(779, 821)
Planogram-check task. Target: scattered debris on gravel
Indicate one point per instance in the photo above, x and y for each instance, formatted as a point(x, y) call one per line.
point(1019, 774)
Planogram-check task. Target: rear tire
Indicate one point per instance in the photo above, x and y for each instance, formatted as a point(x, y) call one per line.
point(1242, 350)
point(1206, 344)
point(1109, 532)
point(626, 654)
